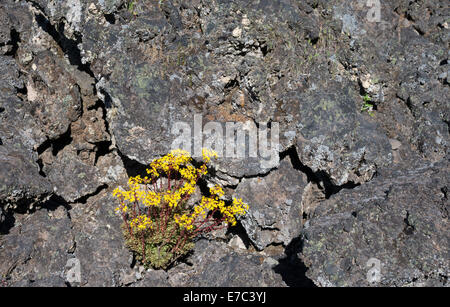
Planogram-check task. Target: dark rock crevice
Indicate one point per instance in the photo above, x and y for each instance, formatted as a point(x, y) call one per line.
point(25, 206)
point(7, 222)
point(291, 268)
point(67, 45)
point(14, 42)
point(103, 148)
point(444, 203)
point(239, 230)
point(57, 144)
point(409, 228)
point(84, 199)
point(41, 167)
point(132, 167)
point(54, 203)
point(110, 18)
point(320, 178)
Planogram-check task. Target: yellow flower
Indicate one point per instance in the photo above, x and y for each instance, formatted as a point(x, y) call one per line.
point(122, 208)
point(152, 199)
point(187, 189)
point(184, 221)
point(217, 191)
point(189, 173)
point(141, 222)
point(208, 154)
point(153, 171)
point(145, 192)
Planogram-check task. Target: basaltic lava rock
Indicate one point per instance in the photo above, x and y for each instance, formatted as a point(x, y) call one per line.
point(90, 91)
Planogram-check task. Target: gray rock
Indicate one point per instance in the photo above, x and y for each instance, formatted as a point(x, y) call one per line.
point(334, 137)
point(274, 216)
point(216, 265)
point(72, 179)
point(153, 278)
point(5, 33)
point(35, 251)
point(53, 95)
point(164, 71)
point(20, 182)
point(100, 246)
point(90, 91)
point(399, 218)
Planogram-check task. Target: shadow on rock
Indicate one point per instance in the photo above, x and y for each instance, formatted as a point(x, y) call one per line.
point(291, 268)
point(7, 220)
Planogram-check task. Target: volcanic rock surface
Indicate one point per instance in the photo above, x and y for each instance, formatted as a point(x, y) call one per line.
point(90, 91)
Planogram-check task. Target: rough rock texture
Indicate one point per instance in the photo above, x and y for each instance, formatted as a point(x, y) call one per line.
point(216, 265)
point(37, 248)
point(399, 218)
point(19, 179)
point(99, 242)
point(90, 91)
point(275, 215)
point(334, 137)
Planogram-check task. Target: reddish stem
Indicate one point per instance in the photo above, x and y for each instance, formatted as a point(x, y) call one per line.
point(143, 247)
point(185, 237)
point(175, 248)
point(126, 223)
point(168, 177)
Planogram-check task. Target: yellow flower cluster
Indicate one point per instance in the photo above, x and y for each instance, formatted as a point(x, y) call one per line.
point(189, 173)
point(217, 191)
point(185, 221)
point(124, 195)
point(176, 160)
point(151, 198)
point(208, 154)
point(238, 208)
point(141, 222)
point(134, 183)
point(179, 161)
point(122, 208)
point(173, 160)
point(170, 181)
point(208, 204)
point(188, 188)
point(172, 199)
